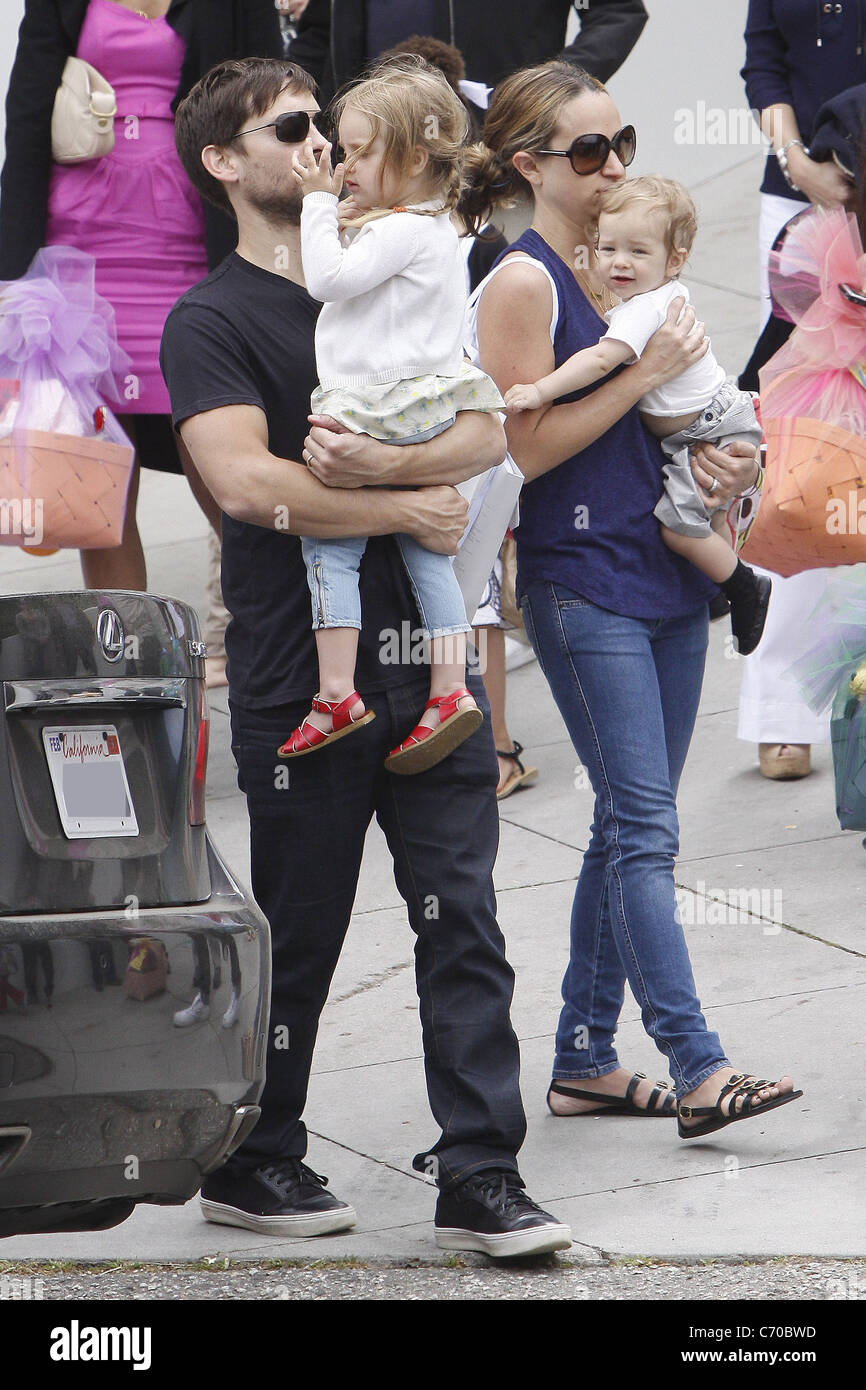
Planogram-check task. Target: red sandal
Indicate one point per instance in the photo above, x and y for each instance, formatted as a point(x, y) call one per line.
point(424, 748)
point(308, 738)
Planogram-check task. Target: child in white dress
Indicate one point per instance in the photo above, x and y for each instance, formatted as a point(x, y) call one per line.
point(646, 229)
point(389, 352)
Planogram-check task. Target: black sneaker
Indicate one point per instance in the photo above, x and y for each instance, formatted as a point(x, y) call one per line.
point(719, 607)
point(491, 1213)
point(749, 596)
point(284, 1199)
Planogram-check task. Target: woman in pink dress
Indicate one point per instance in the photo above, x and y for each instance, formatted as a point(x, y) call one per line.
point(134, 210)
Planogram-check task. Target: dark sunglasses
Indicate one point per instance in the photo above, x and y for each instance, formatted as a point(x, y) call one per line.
point(589, 153)
point(293, 127)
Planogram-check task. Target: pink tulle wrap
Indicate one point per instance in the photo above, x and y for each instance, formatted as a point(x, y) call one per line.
point(812, 375)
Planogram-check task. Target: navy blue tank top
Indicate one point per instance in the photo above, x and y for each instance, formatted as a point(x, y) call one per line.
point(588, 524)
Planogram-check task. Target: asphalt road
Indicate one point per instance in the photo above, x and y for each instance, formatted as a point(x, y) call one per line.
point(458, 1278)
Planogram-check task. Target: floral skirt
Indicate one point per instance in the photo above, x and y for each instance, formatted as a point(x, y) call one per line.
point(401, 412)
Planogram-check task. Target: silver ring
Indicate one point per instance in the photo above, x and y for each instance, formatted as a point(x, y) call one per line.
point(715, 484)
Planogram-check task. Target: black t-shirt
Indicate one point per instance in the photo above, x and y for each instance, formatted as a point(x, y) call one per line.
point(245, 336)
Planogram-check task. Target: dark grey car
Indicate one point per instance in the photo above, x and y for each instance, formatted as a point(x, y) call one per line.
point(134, 972)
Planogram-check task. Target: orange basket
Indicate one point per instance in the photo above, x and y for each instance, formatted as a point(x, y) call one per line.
point(76, 490)
point(813, 505)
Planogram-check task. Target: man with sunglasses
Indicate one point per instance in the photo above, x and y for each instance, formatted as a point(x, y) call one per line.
point(336, 39)
point(238, 356)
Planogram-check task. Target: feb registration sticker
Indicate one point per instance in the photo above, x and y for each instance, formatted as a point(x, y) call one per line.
point(89, 780)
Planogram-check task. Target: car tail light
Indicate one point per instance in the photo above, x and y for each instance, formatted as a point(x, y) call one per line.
point(199, 772)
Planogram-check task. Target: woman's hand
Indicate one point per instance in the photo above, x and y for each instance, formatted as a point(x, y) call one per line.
point(723, 474)
point(824, 184)
point(676, 346)
point(313, 174)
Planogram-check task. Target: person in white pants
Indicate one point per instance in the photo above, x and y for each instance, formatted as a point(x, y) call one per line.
point(773, 713)
point(797, 57)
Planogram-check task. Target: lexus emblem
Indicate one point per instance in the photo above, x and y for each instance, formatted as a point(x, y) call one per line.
point(109, 630)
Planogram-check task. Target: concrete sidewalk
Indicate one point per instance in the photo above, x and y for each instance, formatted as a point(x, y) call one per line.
point(784, 984)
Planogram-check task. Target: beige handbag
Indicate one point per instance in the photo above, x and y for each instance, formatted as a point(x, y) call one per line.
point(82, 124)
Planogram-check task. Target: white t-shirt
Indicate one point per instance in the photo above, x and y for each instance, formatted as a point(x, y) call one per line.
point(394, 295)
point(634, 322)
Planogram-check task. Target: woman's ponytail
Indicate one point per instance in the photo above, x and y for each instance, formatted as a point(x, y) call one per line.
point(488, 183)
point(523, 115)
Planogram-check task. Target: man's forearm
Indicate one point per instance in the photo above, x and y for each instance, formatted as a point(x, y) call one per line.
point(284, 495)
point(473, 444)
point(263, 490)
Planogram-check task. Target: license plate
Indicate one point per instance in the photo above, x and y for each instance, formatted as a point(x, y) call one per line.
point(89, 780)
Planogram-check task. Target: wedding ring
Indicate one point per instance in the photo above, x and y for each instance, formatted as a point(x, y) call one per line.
point(714, 485)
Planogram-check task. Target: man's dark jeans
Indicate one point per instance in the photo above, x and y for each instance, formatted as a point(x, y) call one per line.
point(442, 828)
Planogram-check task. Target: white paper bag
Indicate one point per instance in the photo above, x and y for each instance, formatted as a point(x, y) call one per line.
point(492, 498)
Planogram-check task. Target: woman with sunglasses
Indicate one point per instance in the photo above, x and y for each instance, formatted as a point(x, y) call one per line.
point(133, 210)
point(617, 620)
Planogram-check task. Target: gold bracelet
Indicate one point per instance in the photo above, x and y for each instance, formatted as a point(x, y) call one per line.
point(757, 485)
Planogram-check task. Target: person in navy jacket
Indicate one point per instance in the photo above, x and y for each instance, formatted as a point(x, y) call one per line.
point(799, 54)
point(337, 38)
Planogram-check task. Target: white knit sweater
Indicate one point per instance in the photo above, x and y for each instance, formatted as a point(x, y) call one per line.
point(394, 296)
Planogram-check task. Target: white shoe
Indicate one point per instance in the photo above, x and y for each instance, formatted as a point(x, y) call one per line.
point(194, 1012)
point(230, 1017)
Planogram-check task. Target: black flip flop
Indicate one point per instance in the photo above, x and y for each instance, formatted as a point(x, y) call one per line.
point(521, 777)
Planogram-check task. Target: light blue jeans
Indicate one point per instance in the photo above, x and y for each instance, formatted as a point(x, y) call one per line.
point(332, 574)
point(628, 690)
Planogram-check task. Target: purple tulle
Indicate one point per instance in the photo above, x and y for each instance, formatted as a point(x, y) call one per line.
point(55, 327)
point(65, 460)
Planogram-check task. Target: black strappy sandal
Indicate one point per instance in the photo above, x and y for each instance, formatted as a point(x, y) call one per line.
point(520, 777)
point(738, 1085)
point(619, 1105)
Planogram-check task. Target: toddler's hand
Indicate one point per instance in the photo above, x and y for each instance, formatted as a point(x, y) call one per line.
point(314, 174)
point(520, 397)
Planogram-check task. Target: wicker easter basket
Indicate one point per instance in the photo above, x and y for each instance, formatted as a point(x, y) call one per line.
point(76, 487)
point(813, 501)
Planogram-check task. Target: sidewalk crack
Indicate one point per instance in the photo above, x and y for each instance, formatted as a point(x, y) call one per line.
point(380, 1163)
point(372, 982)
point(707, 1173)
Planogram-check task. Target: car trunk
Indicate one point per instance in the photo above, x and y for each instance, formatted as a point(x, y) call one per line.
point(103, 752)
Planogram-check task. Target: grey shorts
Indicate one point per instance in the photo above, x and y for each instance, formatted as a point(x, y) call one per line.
point(730, 415)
